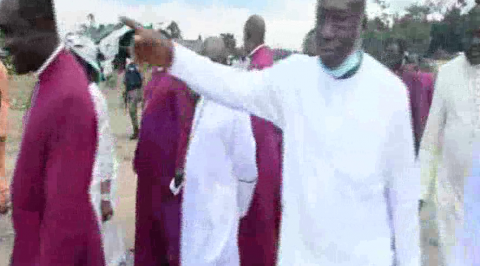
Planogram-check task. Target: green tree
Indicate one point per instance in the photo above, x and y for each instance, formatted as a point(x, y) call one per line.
point(418, 12)
point(384, 16)
point(174, 30)
point(414, 28)
point(230, 41)
point(447, 34)
point(8, 60)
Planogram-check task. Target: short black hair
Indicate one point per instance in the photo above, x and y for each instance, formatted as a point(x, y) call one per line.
point(402, 44)
point(31, 9)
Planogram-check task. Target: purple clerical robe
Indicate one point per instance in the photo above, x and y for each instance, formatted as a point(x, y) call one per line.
point(420, 89)
point(260, 228)
point(168, 114)
point(55, 223)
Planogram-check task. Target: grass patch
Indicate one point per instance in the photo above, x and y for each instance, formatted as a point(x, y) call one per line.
point(20, 90)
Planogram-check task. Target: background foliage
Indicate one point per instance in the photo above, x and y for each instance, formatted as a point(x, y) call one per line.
point(438, 39)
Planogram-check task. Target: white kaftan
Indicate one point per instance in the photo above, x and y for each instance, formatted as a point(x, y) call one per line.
point(104, 169)
point(348, 156)
point(446, 149)
point(221, 174)
point(468, 236)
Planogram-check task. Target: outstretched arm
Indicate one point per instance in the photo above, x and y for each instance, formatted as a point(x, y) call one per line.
point(256, 92)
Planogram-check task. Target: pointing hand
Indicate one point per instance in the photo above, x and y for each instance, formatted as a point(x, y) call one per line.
point(150, 47)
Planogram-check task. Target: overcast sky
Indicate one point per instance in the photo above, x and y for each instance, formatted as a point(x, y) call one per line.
point(287, 20)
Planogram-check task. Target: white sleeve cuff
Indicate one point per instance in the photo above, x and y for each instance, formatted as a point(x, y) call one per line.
point(245, 194)
point(176, 190)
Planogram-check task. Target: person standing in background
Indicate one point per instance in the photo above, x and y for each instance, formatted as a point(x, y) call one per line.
point(221, 174)
point(159, 156)
point(133, 82)
point(394, 58)
point(451, 133)
point(260, 228)
point(104, 183)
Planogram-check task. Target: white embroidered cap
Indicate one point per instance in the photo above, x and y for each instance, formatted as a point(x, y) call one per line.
point(84, 47)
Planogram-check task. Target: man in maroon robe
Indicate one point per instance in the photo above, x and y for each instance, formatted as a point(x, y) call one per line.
point(160, 154)
point(259, 229)
point(55, 223)
point(419, 84)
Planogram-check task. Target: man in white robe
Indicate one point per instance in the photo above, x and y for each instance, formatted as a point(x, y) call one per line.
point(349, 185)
point(468, 240)
point(220, 164)
point(452, 128)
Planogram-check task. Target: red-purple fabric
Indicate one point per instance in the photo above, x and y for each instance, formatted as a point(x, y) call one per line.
point(158, 211)
point(260, 228)
point(428, 80)
point(54, 221)
point(420, 88)
point(153, 83)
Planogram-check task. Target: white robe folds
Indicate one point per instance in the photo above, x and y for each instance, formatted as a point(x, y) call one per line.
point(468, 236)
point(446, 149)
point(104, 169)
point(348, 163)
point(221, 174)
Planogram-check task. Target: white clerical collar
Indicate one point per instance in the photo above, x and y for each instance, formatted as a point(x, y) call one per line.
point(49, 60)
point(256, 49)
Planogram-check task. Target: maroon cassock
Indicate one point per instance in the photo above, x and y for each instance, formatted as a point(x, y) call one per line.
point(55, 223)
point(156, 78)
point(420, 89)
point(163, 138)
point(259, 229)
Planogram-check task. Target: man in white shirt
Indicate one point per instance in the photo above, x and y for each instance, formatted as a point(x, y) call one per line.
point(220, 164)
point(452, 130)
point(349, 184)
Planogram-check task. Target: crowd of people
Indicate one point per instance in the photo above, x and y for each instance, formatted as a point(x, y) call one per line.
point(324, 158)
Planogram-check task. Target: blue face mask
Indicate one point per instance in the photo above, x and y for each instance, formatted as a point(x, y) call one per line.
point(350, 65)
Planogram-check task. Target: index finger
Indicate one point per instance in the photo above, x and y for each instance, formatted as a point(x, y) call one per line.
point(131, 23)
